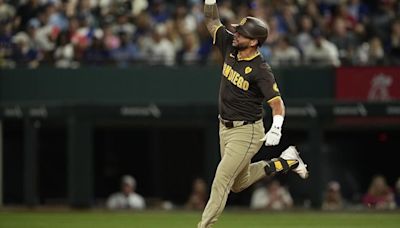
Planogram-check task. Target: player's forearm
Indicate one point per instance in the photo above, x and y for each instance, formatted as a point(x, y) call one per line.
point(277, 106)
point(211, 16)
point(278, 111)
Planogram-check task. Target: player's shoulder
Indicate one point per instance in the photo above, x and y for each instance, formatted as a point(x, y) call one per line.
point(263, 67)
point(262, 63)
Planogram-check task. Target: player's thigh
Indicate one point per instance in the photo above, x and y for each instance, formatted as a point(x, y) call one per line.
point(238, 146)
point(244, 140)
point(231, 165)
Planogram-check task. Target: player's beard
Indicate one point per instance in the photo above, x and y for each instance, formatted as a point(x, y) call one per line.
point(241, 47)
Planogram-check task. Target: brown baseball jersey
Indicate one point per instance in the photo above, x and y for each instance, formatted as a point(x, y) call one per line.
point(245, 83)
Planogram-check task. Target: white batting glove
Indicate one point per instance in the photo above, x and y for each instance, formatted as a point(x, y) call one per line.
point(274, 134)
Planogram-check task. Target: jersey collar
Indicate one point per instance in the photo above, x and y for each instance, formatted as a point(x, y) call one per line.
point(246, 59)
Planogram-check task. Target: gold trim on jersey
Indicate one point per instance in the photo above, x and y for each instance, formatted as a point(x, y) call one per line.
point(235, 78)
point(275, 87)
point(276, 97)
point(249, 58)
point(215, 33)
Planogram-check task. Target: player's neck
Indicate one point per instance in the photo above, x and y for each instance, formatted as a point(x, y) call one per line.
point(247, 53)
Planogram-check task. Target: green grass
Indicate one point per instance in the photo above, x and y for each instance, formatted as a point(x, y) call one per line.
point(155, 219)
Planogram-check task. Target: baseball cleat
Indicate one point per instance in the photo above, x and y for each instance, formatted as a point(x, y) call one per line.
point(291, 153)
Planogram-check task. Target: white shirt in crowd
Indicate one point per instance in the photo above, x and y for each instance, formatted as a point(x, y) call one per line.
point(120, 201)
point(261, 199)
point(287, 56)
point(327, 54)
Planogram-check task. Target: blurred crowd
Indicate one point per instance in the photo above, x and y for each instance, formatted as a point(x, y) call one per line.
point(267, 194)
point(74, 33)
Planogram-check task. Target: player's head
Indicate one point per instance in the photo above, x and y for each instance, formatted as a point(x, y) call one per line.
point(253, 29)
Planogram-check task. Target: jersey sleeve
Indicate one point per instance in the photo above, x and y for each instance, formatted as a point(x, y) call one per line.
point(267, 84)
point(222, 39)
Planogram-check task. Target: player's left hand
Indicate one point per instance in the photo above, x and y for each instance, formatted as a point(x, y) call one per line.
point(272, 137)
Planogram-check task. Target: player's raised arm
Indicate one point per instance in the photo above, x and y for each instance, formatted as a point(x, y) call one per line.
point(273, 136)
point(211, 16)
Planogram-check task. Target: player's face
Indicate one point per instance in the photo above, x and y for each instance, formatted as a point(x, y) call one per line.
point(241, 42)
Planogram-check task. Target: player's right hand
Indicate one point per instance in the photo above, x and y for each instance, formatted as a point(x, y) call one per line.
point(272, 137)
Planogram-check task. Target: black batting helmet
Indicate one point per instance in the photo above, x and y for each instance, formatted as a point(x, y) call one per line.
point(253, 28)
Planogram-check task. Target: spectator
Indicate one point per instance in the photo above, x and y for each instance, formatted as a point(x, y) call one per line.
point(24, 52)
point(371, 53)
point(273, 196)
point(311, 9)
point(144, 27)
point(7, 12)
point(321, 52)
point(64, 54)
point(124, 25)
point(84, 10)
point(111, 41)
point(344, 40)
point(199, 195)
point(6, 44)
point(332, 197)
point(26, 12)
point(274, 33)
point(348, 19)
point(304, 38)
point(138, 6)
point(157, 49)
point(379, 194)
point(287, 19)
point(159, 12)
point(284, 54)
point(394, 43)
point(184, 21)
point(58, 16)
point(126, 53)
point(46, 34)
point(358, 10)
point(79, 37)
point(97, 54)
point(205, 44)
point(381, 18)
point(127, 198)
point(190, 54)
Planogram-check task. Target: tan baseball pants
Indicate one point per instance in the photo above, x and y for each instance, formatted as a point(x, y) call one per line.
point(234, 172)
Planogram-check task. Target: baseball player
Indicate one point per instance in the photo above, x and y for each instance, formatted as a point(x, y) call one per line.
point(246, 82)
